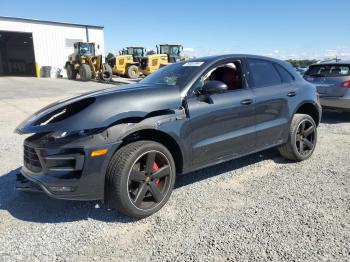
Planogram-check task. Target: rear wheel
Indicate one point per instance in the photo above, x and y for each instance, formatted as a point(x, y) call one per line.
point(71, 74)
point(302, 138)
point(106, 74)
point(85, 72)
point(140, 178)
point(133, 72)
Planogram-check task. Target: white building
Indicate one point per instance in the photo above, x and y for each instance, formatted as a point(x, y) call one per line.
point(27, 45)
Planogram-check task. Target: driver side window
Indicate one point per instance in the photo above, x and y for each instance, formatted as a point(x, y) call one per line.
point(228, 73)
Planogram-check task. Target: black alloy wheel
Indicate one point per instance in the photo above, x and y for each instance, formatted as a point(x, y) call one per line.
point(149, 180)
point(302, 138)
point(305, 137)
point(140, 178)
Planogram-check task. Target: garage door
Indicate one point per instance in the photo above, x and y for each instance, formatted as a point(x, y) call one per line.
point(16, 54)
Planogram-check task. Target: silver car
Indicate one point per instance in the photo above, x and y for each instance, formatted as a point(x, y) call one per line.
point(332, 80)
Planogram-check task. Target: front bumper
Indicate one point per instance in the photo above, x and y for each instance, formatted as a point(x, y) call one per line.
point(66, 170)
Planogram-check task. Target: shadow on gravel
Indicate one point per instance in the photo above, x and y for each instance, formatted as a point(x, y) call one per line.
point(39, 208)
point(335, 117)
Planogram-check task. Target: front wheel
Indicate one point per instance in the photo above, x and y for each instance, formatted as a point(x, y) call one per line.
point(85, 72)
point(133, 72)
point(302, 138)
point(140, 178)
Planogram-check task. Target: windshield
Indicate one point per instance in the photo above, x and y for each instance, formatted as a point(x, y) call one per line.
point(328, 70)
point(171, 50)
point(177, 74)
point(86, 49)
point(138, 51)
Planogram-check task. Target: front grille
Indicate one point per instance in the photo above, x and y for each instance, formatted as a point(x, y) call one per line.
point(31, 159)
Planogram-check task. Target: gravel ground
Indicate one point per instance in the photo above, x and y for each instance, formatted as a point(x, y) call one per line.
point(258, 207)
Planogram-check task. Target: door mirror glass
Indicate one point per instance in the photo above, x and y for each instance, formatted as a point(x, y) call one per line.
point(214, 87)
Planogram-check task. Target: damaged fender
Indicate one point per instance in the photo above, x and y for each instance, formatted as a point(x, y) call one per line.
point(102, 108)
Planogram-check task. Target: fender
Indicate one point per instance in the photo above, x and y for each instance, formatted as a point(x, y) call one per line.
point(102, 108)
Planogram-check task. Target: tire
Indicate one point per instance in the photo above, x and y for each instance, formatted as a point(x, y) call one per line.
point(133, 72)
point(85, 72)
point(301, 143)
point(71, 73)
point(107, 73)
point(125, 183)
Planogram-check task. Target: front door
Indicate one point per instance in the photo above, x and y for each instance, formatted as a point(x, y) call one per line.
point(222, 124)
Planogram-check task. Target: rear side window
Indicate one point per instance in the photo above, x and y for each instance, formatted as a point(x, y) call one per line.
point(328, 70)
point(263, 73)
point(284, 74)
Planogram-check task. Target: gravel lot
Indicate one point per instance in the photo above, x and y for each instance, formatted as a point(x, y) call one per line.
point(255, 208)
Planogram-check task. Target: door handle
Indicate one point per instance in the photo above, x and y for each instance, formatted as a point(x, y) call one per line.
point(247, 101)
point(291, 94)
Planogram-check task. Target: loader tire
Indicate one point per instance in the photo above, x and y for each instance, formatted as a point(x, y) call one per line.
point(133, 72)
point(107, 73)
point(85, 72)
point(71, 73)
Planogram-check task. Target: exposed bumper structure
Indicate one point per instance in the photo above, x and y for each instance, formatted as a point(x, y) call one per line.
point(66, 171)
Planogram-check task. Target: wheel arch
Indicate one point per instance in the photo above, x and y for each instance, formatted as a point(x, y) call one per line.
point(161, 137)
point(309, 108)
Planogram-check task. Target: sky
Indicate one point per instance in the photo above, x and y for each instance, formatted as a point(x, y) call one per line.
point(283, 29)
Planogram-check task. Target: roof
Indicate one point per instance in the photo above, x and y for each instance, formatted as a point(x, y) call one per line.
point(333, 62)
point(9, 18)
point(228, 56)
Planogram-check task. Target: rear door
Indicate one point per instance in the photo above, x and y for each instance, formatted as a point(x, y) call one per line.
point(329, 79)
point(274, 91)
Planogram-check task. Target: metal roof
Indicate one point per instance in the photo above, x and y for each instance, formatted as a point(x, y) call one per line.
point(9, 18)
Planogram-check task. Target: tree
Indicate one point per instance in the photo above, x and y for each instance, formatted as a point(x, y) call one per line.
point(109, 56)
point(302, 62)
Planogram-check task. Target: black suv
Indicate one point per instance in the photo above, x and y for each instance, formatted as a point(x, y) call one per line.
point(126, 144)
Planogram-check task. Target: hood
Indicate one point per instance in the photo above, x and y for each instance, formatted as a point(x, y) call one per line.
point(102, 108)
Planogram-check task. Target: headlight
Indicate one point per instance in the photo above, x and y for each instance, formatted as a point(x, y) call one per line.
point(62, 134)
point(57, 135)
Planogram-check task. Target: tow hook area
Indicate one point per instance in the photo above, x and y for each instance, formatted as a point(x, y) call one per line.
point(23, 184)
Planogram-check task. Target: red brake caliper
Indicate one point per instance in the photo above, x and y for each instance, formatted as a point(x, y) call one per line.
point(155, 169)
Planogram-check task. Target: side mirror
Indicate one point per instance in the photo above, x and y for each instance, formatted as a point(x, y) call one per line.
point(214, 87)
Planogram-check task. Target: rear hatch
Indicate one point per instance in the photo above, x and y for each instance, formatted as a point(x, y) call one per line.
point(330, 79)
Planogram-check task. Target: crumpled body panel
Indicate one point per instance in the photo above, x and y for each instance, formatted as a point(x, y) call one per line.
point(102, 108)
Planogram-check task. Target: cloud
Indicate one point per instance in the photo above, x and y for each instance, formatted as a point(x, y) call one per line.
point(341, 51)
point(189, 49)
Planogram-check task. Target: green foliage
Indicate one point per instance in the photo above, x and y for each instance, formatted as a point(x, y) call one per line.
point(109, 56)
point(302, 63)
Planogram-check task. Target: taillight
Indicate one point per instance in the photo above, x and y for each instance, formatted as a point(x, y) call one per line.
point(345, 84)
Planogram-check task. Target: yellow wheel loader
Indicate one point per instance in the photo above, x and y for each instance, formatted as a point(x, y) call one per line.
point(166, 54)
point(86, 64)
point(127, 63)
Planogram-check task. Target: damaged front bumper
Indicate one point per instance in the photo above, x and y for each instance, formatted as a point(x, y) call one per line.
point(66, 169)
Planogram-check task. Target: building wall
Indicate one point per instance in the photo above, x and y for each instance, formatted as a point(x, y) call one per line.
point(54, 42)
